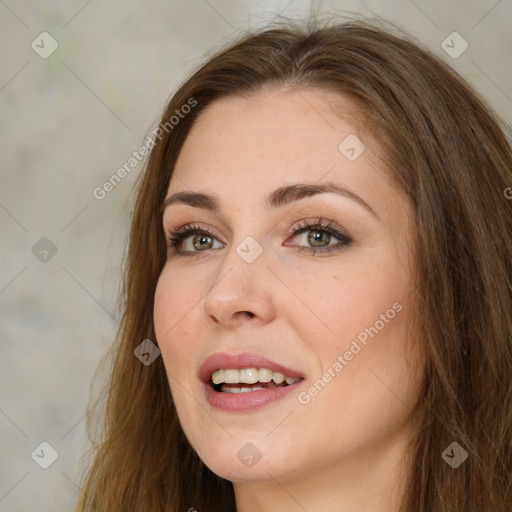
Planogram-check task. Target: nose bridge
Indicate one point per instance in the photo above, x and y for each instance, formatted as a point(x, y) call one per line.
point(240, 266)
point(239, 284)
point(246, 248)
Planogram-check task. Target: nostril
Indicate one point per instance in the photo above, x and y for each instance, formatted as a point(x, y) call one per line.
point(213, 319)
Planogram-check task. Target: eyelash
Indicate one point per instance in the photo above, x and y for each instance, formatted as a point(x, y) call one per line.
point(175, 237)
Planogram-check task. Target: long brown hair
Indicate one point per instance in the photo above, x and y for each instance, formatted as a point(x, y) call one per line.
point(443, 147)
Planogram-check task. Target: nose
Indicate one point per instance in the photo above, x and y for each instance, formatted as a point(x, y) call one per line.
point(240, 292)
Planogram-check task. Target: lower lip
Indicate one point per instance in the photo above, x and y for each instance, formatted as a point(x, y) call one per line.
point(249, 401)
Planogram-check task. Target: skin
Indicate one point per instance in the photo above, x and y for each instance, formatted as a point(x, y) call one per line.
point(343, 449)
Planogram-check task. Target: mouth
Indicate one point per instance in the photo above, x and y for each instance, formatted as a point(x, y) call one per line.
point(242, 382)
point(247, 380)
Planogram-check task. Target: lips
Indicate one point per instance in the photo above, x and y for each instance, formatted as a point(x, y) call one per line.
point(225, 398)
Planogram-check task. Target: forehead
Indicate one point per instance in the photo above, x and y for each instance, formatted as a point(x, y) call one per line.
point(248, 146)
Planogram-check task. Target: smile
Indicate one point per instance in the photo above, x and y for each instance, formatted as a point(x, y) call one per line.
point(252, 379)
point(243, 382)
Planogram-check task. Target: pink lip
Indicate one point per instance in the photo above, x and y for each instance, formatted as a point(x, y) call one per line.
point(240, 402)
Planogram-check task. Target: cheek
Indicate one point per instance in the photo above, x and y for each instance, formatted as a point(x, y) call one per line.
point(361, 315)
point(344, 303)
point(174, 310)
point(377, 379)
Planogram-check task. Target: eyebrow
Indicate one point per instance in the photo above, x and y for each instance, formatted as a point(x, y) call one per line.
point(278, 198)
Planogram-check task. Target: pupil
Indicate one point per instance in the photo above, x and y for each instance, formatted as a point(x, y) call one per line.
point(316, 237)
point(201, 241)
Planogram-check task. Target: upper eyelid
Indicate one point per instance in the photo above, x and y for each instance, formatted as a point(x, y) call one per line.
point(298, 227)
point(306, 213)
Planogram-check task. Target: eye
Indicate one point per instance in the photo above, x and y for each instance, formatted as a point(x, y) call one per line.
point(193, 238)
point(318, 236)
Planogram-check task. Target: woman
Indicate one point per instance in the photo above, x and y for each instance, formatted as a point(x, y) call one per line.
point(344, 339)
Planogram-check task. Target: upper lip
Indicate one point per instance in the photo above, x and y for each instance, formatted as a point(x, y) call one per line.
point(222, 360)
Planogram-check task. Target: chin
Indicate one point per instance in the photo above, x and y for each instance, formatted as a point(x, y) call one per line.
point(247, 458)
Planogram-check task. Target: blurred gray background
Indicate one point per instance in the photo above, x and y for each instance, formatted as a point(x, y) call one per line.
point(70, 117)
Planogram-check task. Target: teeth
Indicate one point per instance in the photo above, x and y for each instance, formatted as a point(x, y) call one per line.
point(265, 375)
point(249, 376)
point(227, 389)
point(231, 376)
point(218, 376)
point(278, 377)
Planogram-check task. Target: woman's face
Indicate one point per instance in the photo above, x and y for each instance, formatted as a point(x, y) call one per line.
point(248, 295)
